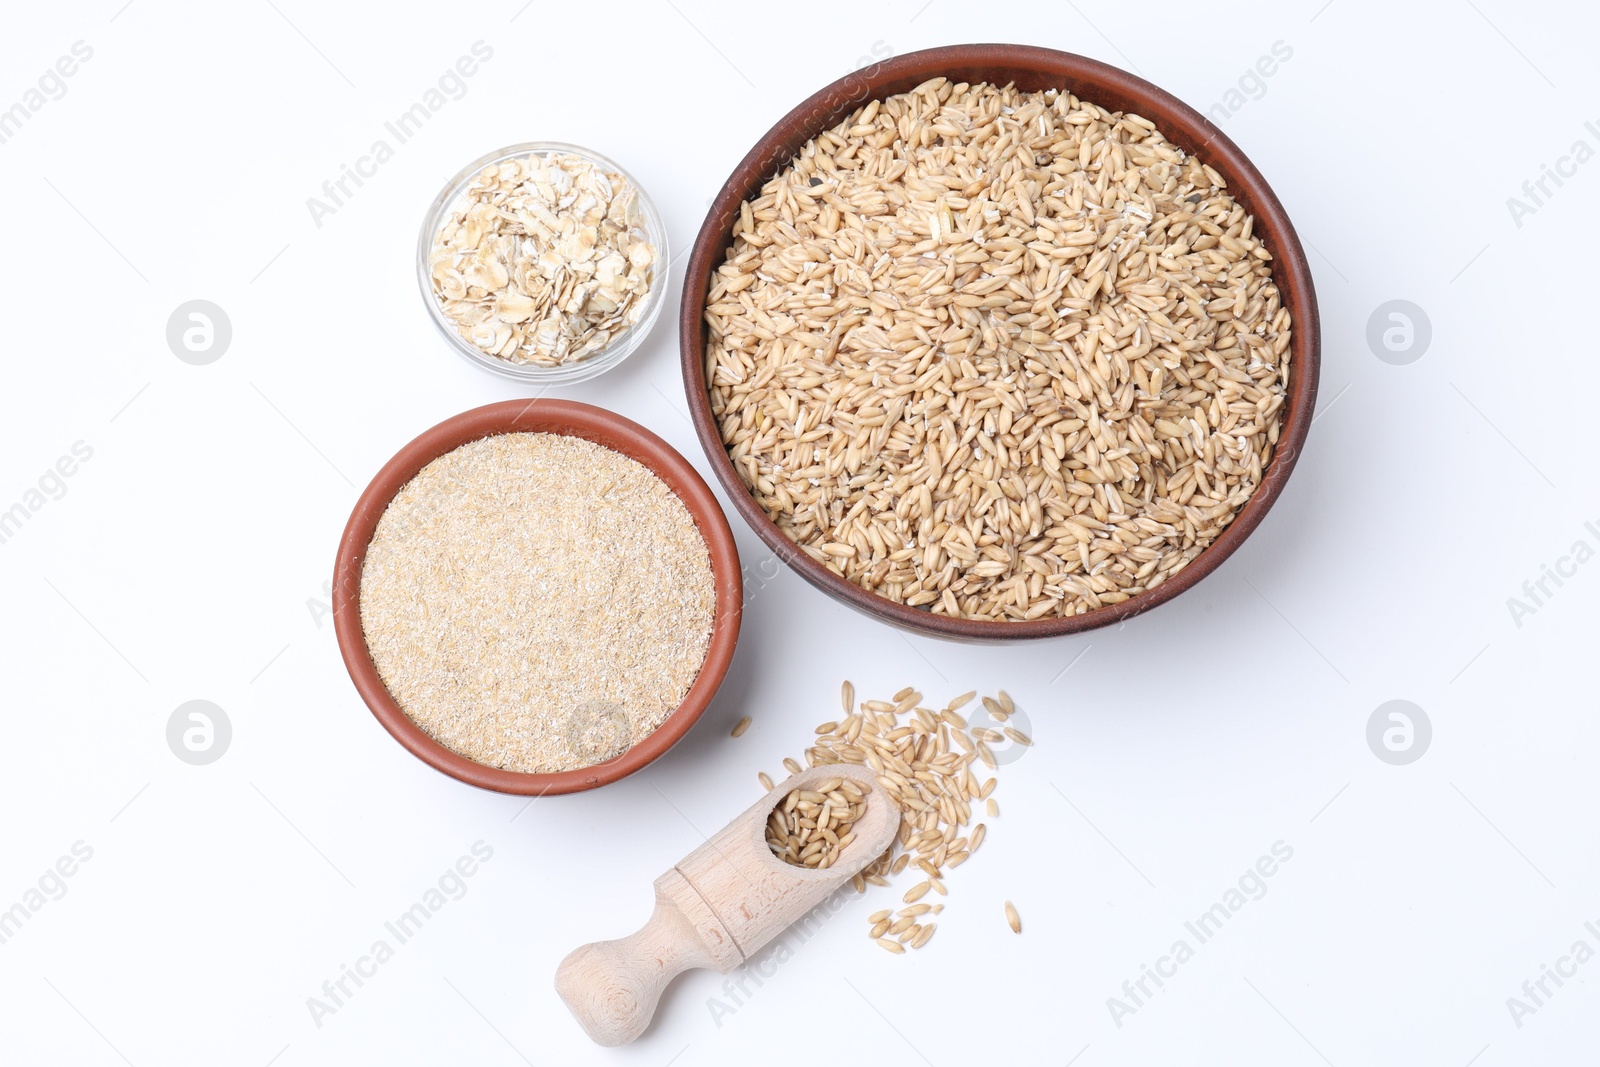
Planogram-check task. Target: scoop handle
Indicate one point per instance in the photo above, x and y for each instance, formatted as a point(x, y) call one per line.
point(612, 987)
point(725, 900)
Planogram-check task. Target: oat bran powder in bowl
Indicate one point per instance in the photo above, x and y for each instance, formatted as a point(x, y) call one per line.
point(537, 602)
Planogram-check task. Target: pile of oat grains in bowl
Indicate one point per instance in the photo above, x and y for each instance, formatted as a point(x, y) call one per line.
point(924, 759)
point(997, 354)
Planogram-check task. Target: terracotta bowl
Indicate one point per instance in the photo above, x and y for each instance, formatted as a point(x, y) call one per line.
point(1031, 69)
point(573, 420)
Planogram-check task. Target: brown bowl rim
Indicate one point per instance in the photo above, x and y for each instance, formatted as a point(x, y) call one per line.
point(571, 419)
point(1032, 68)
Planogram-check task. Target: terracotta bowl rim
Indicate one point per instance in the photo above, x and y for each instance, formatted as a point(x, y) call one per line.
point(550, 416)
point(1032, 67)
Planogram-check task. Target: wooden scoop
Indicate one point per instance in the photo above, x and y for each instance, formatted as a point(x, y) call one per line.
point(717, 907)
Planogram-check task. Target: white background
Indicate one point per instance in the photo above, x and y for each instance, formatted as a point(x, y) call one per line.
point(188, 559)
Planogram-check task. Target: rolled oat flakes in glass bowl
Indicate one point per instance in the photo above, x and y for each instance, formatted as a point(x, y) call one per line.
point(544, 262)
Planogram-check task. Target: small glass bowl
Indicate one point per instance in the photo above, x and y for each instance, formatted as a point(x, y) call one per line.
point(619, 347)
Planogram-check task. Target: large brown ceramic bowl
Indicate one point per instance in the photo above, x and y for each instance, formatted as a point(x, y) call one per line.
point(573, 420)
point(1031, 69)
